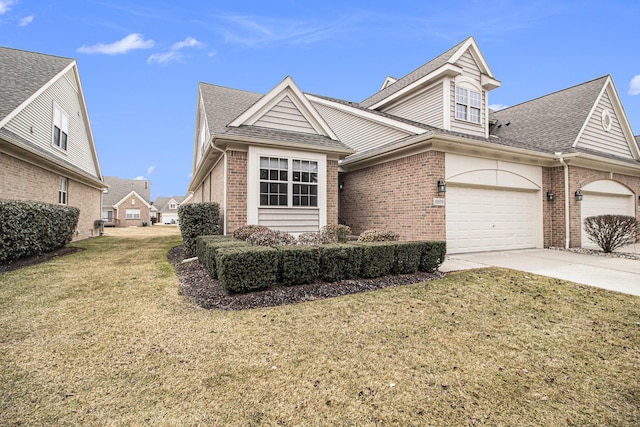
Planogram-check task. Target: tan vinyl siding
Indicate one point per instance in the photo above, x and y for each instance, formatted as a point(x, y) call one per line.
point(290, 220)
point(426, 107)
point(286, 116)
point(35, 124)
point(596, 138)
point(358, 133)
point(469, 66)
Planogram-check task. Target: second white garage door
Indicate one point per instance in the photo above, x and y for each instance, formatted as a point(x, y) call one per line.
point(482, 219)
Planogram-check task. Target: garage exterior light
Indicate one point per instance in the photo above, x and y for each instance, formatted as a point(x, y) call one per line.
point(578, 196)
point(442, 186)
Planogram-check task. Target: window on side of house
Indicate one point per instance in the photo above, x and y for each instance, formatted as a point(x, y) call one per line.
point(63, 186)
point(305, 183)
point(133, 213)
point(288, 182)
point(468, 105)
point(60, 128)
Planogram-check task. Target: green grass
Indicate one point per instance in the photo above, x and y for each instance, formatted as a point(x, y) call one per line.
point(101, 337)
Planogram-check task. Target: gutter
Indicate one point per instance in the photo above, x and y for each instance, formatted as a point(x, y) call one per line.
point(566, 199)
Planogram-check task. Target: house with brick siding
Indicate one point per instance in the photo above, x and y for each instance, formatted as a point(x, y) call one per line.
point(126, 203)
point(47, 151)
point(167, 208)
point(424, 156)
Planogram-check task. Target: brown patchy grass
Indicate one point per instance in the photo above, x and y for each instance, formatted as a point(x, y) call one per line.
point(101, 337)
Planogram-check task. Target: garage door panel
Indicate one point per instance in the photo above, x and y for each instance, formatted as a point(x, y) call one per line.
point(483, 219)
point(594, 204)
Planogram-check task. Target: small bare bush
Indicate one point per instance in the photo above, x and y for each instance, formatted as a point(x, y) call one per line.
point(270, 237)
point(313, 238)
point(611, 232)
point(378, 236)
point(245, 231)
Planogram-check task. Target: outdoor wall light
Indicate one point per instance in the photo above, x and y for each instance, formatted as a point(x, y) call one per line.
point(442, 186)
point(550, 196)
point(578, 196)
point(341, 185)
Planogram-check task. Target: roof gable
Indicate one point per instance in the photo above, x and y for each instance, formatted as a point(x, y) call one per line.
point(120, 189)
point(269, 111)
point(128, 196)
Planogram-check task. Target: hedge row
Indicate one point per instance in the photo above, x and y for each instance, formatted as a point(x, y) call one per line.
point(31, 228)
point(244, 268)
point(197, 219)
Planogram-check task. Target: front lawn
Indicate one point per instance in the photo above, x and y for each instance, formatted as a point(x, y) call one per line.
point(102, 337)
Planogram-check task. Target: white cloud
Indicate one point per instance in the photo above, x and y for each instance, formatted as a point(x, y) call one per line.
point(26, 21)
point(139, 178)
point(150, 170)
point(634, 85)
point(496, 107)
point(212, 53)
point(5, 6)
point(174, 54)
point(131, 42)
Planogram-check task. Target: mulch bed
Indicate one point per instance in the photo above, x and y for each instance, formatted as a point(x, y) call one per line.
point(29, 261)
point(197, 287)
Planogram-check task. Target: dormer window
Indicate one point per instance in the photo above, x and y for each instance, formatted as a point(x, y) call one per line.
point(468, 105)
point(173, 205)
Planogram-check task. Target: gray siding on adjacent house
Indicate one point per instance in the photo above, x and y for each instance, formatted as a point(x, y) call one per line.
point(285, 116)
point(290, 220)
point(359, 133)
point(595, 137)
point(426, 107)
point(35, 124)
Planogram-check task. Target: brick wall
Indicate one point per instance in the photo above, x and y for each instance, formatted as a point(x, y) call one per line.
point(236, 209)
point(20, 180)
point(332, 192)
point(553, 212)
point(132, 202)
point(397, 196)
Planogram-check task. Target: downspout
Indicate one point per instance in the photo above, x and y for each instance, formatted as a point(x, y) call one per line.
point(566, 200)
point(224, 185)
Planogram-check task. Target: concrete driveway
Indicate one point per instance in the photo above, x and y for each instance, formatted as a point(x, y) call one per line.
point(615, 274)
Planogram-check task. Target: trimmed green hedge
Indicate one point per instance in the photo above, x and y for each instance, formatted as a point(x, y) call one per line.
point(433, 253)
point(407, 257)
point(197, 219)
point(378, 258)
point(31, 228)
point(298, 264)
point(247, 268)
point(206, 247)
point(339, 261)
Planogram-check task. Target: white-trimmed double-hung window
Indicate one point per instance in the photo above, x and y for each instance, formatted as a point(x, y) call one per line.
point(133, 213)
point(63, 187)
point(468, 105)
point(288, 182)
point(60, 128)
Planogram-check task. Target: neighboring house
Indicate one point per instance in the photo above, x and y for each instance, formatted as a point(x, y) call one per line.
point(126, 203)
point(167, 208)
point(424, 156)
point(47, 151)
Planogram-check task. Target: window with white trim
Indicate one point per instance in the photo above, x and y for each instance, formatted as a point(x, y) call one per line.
point(279, 187)
point(468, 105)
point(133, 213)
point(173, 205)
point(60, 128)
point(63, 185)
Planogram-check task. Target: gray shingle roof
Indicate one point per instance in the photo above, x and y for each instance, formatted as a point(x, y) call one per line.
point(413, 76)
point(162, 203)
point(119, 188)
point(223, 105)
point(22, 73)
point(550, 123)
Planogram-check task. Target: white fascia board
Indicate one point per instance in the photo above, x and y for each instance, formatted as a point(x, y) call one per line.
point(268, 101)
point(405, 127)
point(133, 193)
point(477, 56)
point(445, 70)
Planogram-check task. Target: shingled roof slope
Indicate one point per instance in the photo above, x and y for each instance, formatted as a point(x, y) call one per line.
point(120, 188)
point(22, 73)
point(413, 76)
point(552, 122)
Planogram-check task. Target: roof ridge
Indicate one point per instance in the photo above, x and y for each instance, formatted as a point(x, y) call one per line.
point(37, 53)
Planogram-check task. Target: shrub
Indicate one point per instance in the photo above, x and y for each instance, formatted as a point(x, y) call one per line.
point(611, 232)
point(377, 259)
point(336, 233)
point(208, 248)
point(433, 254)
point(245, 231)
point(378, 236)
point(197, 219)
point(31, 228)
point(312, 238)
point(298, 264)
point(407, 257)
point(270, 237)
point(247, 268)
point(339, 261)
point(201, 242)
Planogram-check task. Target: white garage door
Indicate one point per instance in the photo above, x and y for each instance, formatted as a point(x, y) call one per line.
point(602, 204)
point(480, 219)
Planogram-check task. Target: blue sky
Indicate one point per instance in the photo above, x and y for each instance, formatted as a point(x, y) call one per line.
point(140, 62)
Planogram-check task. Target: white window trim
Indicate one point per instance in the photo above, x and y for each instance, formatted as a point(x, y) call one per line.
point(63, 191)
point(132, 214)
point(470, 86)
point(253, 180)
point(62, 123)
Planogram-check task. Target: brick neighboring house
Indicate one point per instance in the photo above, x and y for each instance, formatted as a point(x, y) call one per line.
point(47, 151)
point(126, 203)
point(423, 156)
point(167, 208)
